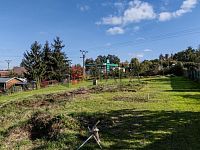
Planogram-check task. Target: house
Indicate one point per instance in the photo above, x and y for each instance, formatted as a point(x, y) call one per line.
point(4, 73)
point(19, 71)
point(10, 83)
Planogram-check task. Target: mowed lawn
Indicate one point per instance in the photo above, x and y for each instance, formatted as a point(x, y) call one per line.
point(164, 114)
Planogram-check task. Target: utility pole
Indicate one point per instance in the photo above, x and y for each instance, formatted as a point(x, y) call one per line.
point(8, 62)
point(69, 72)
point(84, 54)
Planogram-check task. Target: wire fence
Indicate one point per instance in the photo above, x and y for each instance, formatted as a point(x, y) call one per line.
point(193, 74)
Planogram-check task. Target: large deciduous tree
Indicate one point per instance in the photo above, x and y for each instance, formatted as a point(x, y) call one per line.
point(113, 59)
point(135, 67)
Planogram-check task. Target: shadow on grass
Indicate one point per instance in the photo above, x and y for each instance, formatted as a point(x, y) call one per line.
point(129, 129)
point(194, 97)
point(161, 79)
point(181, 84)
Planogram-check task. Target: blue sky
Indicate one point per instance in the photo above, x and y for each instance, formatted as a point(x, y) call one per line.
point(127, 28)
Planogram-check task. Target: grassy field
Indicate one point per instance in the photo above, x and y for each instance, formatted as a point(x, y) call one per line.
point(164, 114)
point(49, 90)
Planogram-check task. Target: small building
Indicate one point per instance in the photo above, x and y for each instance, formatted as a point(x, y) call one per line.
point(19, 71)
point(4, 73)
point(9, 83)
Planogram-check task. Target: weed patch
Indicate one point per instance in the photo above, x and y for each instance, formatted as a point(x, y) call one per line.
point(120, 87)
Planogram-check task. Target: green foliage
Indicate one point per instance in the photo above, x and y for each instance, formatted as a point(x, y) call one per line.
point(60, 62)
point(113, 59)
point(47, 58)
point(135, 66)
point(44, 63)
point(188, 55)
point(100, 59)
point(177, 69)
point(32, 62)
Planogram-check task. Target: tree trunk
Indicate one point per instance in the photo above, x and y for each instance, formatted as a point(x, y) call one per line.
point(38, 83)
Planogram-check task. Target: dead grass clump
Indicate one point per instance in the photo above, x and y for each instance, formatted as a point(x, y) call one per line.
point(81, 91)
point(120, 87)
point(44, 125)
point(16, 135)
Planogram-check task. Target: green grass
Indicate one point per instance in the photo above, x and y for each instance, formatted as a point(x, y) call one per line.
point(48, 90)
point(169, 119)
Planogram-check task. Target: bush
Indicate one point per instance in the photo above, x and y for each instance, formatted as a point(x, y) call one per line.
point(178, 69)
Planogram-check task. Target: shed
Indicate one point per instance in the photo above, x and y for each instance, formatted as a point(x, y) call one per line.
point(7, 83)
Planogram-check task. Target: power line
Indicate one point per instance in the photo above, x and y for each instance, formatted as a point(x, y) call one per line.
point(154, 38)
point(160, 37)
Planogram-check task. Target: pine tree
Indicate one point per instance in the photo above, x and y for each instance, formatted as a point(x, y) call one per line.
point(32, 62)
point(60, 62)
point(47, 57)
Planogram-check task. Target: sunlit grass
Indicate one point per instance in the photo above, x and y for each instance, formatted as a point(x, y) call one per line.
point(165, 114)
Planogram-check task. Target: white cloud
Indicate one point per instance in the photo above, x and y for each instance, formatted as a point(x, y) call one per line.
point(138, 11)
point(120, 7)
point(83, 7)
point(115, 30)
point(186, 7)
point(164, 16)
point(111, 20)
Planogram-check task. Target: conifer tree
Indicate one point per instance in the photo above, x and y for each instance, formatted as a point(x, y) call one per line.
point(47, 58)
point(32, 62)
point(60, 62)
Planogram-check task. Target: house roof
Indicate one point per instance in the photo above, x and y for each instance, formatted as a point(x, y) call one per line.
point(19, 70)
point(4, 80)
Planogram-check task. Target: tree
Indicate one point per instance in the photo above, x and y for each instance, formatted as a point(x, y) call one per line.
point(32, 62)
point(100, 59)
point(60, 62)
point(135, 67)
point(161, 57)
point(47, 58)
point(91, 67)
point(77, 72)
point(177, 69)
point(89, 61)
point(113, 59)
point(145, 67)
